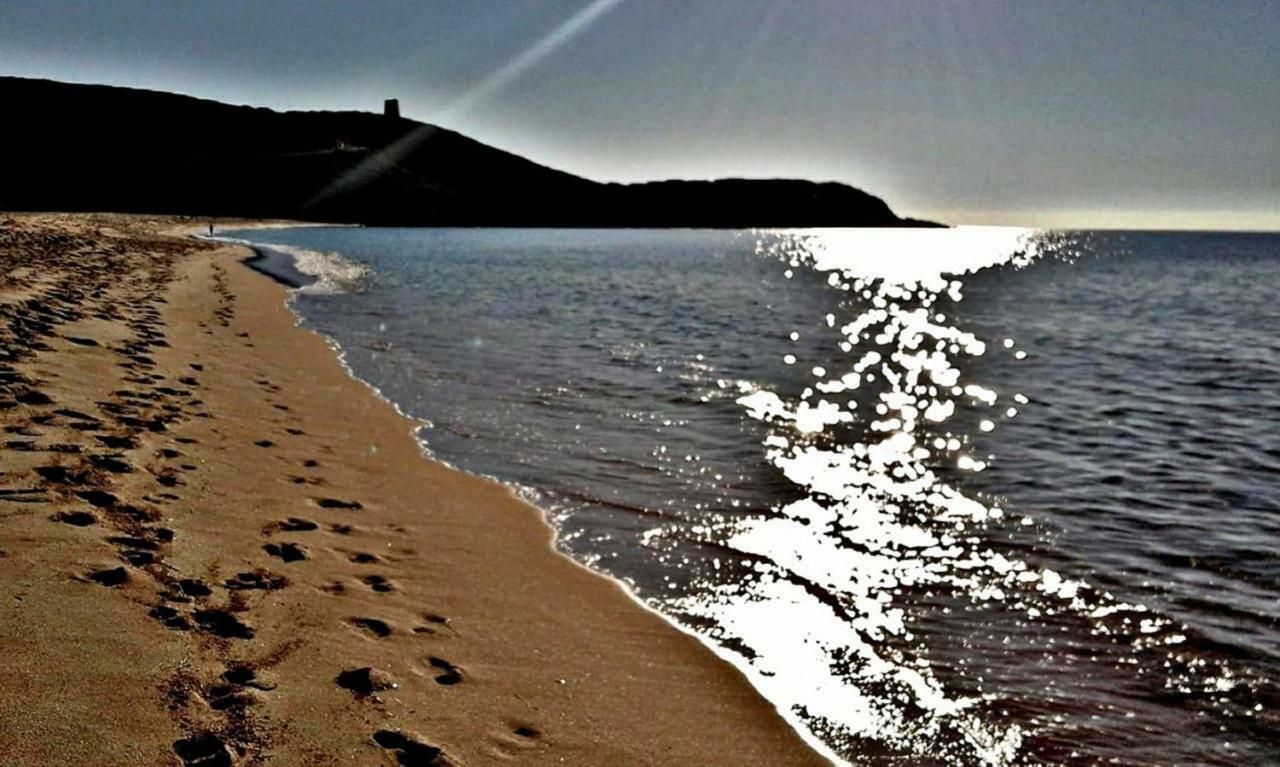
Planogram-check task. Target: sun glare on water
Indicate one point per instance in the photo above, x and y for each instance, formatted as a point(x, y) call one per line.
point(824, 622)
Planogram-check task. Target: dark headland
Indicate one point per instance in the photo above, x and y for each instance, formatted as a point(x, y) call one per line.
point(71, 147)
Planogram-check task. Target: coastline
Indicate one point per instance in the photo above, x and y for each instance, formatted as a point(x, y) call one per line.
point(445, 585)
point(265, 260)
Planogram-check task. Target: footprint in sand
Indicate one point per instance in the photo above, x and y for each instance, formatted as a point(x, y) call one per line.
point(261, 580)
point(378, 583)
point(289, 552)
point(203, 750)
point(76, 518)
point(516, 736)
point(186, 589)
point(372, 626)
point(291, 525)
point(133, 542)
point(334, 503)
point(112, 463)
point(236, 690)
point(448, 674)
point(138, 558)
point(437, 623)
point(170, 618)
point(63, 475)
point(222, 623)
point(33, 397)
point(99, 498)
point(334, 587)
point(113, 577)
point(246, 676)
point(366, 681)
point(169, 478)
point(130, 512)
point(411, 750)
point(231, 696)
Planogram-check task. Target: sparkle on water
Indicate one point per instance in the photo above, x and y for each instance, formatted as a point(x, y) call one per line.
point(875, 520)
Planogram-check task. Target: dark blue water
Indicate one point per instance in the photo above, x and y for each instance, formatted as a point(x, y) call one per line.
point(978, 496)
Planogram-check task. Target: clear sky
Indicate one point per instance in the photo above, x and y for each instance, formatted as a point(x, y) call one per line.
point(1064, 112)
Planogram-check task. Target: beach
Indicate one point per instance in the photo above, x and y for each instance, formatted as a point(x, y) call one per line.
point(217, 547)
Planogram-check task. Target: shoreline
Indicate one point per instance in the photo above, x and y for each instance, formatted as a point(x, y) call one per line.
point(427, 613)
point(518, 494)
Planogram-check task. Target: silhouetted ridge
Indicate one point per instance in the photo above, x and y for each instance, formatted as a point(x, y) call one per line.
point(95, 147)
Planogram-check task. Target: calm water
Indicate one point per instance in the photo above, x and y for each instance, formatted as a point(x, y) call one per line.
point(978, 496)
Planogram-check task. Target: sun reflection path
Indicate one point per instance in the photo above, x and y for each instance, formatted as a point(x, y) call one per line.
point(827, 635)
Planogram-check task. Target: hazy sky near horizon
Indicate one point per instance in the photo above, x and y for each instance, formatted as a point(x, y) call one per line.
point(1035, 112)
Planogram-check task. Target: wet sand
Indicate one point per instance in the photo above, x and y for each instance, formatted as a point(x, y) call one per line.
point(218, 548)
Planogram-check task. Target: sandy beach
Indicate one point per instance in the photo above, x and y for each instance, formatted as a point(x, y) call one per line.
point(218, 548)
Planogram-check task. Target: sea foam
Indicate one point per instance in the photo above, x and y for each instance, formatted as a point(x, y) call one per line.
point(332, 272)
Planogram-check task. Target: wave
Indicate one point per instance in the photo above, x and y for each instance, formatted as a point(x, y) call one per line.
point(333, 273)
point(307, 271)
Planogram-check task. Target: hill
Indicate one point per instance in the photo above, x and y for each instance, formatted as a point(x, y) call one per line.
point(93, 147)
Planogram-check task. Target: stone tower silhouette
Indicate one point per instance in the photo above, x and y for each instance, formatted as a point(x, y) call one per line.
point(391, 108)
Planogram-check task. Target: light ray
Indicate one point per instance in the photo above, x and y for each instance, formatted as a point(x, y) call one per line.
point(503, 76)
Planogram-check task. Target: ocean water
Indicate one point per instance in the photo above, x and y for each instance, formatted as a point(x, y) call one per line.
point(969, 496)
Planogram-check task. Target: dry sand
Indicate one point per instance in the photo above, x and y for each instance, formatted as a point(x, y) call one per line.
point(218, 548)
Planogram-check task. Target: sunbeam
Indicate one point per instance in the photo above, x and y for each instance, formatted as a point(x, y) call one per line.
point(503, 76)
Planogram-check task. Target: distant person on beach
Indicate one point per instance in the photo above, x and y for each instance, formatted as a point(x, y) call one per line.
point(210, 228)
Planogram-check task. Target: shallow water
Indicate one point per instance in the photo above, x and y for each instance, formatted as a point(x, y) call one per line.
point(972, 496)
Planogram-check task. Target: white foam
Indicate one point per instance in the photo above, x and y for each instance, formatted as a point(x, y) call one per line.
point(333, 272)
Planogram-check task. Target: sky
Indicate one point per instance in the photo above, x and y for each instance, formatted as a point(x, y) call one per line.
point(1058, 113)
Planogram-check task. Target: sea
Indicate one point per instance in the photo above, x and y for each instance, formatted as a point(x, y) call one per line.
point(969, 496)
